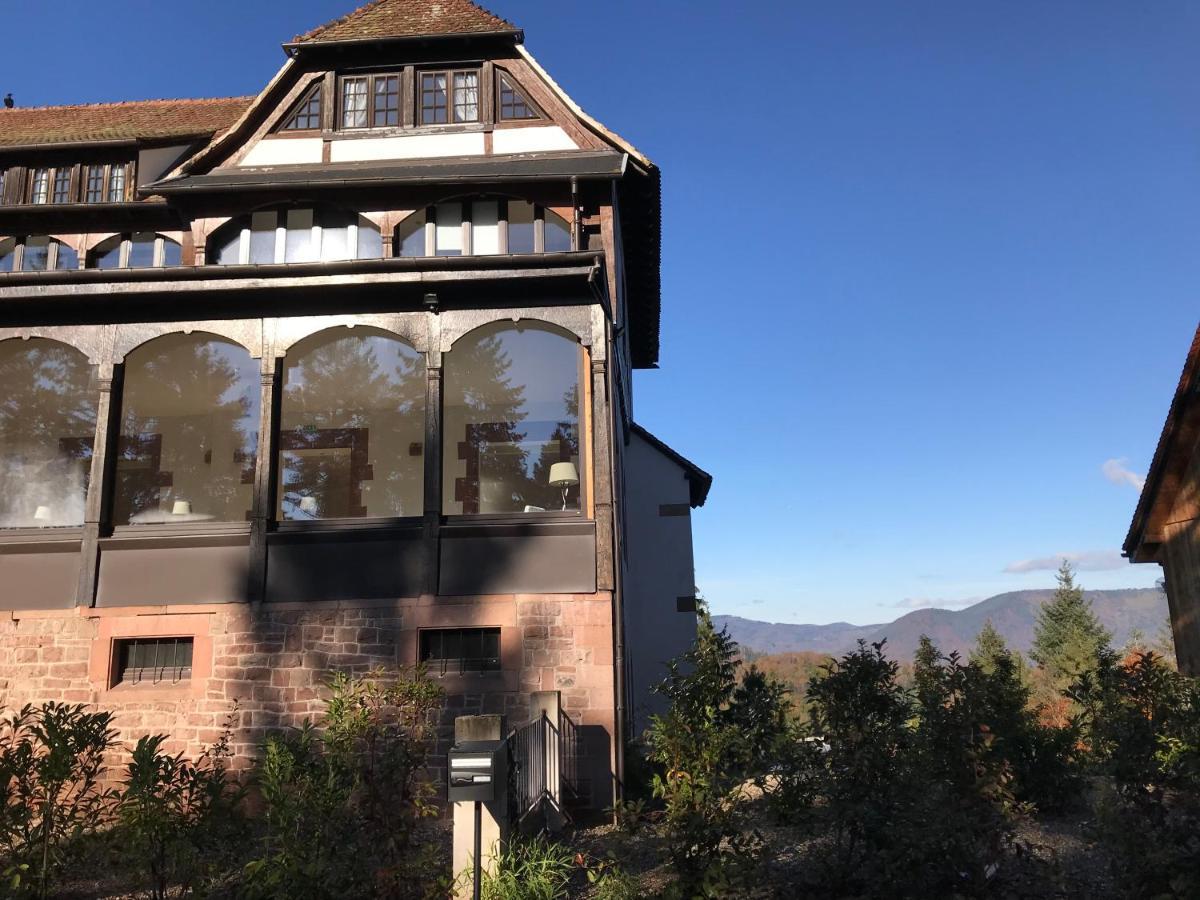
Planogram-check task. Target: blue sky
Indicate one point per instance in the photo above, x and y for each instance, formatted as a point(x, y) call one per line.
point(927, 267)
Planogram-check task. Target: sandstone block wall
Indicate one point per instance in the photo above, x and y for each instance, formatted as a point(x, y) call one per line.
point(268, 666)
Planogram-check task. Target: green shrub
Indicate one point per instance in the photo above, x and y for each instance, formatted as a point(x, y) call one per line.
point(344, 800)
point(181, 822)
point(530, 869)
point(51, 796)
point(1141, 722)
point(703, 748)
point(611, 882)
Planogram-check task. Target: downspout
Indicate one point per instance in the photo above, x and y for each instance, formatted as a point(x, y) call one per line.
point(618, 602)
point(575, 235)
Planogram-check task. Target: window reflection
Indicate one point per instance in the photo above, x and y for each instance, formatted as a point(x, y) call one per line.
point(352, 427)
point(47, 428)
point(511, 414)
point(189, 432)
point(295, 235)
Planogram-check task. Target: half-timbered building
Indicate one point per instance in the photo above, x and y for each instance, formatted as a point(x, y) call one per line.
point(332, 377)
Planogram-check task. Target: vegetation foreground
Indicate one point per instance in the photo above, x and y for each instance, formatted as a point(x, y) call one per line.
point(1075, 775)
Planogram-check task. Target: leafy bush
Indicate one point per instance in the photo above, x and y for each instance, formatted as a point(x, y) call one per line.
point(51, 795)
point(905, 788)
point(344, 800)
point(703, 744)
point(181, 822)
point(530, 869)
point(1141, 722)
point(611, 882)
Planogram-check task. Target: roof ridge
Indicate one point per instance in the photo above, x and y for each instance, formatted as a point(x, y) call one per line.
point(111, 104)
point(422, 18)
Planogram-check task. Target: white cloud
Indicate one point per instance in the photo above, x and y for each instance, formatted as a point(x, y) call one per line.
point(929, 602)
point(1087, 561)
point(1118, 472)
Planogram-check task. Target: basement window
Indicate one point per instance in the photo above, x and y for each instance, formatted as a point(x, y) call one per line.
point(153, 660)
point(453, 651)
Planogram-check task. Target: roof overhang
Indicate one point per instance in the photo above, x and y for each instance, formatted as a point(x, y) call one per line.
point(699, 481)
point(295, 48)
point(599, 165)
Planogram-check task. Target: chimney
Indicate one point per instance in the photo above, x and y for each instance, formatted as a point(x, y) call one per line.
point(8, 101)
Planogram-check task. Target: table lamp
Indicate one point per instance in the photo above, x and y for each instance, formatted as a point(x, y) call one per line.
point(563, 475)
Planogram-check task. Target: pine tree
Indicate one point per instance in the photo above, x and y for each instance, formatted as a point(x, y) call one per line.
point(989, 647)
point(1068, 640)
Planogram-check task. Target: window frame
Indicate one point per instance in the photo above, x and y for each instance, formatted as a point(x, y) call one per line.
point(370, 110)
point(107, 172)
point(449, 74)
point(160, 244)
point(503, 78)
point(502, 224)
point(446, 666)
point(585, 512)
point(18, 267)
point(279, 257)
point(118, 674)
point(315, 91)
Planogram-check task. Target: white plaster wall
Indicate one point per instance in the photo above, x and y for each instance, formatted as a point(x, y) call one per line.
point(414, 146)
point(531, 140)
point(283, 151)
point(661, 569)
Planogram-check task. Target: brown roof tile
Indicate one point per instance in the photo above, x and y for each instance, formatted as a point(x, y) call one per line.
point(409, 18)
point(141, 119)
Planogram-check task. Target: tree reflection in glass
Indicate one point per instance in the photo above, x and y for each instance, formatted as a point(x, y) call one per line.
point(47, 428)
point(352, 427)
point(189, 432)
point(511, 411)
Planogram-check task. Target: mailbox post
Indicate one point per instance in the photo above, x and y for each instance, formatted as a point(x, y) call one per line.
point(478, 773)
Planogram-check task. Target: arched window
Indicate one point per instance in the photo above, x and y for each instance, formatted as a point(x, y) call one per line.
point(47, 429)
point(352, 427)
point(511, 421)
point(189, 432)
point(295, 235)
point(482, 226)
point(36, 253)
point(138, 250)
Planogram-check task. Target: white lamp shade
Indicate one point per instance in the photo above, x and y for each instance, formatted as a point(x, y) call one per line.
point(41, 514)
point(308, 504)
point(181, 508)
point(563, 474)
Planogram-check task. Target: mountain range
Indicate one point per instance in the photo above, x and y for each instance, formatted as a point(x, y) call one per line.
point(1013, 614)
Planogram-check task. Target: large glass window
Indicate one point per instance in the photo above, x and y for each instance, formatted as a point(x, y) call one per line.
point(352, 427)
point(189, 432)
point(36, 253)
point(493, 226)
point(47, 429)
point(511, 421)
point(142, 249)
point(295, 235)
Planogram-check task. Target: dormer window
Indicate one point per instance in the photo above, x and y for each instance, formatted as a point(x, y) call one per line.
point(104, 184)
point(371, 101)
point(39, 192)
point(450, 97)
point(514, 106)
point(305, 115)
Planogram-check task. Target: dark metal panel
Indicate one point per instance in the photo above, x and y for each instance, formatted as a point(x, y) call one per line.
point(549, 562)
point(157, 573)
point(358, 564)
point(42, 577)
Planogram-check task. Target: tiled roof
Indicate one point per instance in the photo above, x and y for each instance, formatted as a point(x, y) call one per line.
point(93, 123)
point(409, 18)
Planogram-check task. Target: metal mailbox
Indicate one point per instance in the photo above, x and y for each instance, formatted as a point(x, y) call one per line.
point(478, 772)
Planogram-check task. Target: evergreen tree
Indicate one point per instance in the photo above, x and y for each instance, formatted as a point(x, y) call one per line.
point(1068, 640)
point(990, 647)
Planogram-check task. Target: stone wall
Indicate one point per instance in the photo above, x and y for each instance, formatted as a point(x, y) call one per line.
point(267, 667)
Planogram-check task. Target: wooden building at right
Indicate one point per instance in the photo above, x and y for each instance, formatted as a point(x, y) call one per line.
point(1166, 524)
